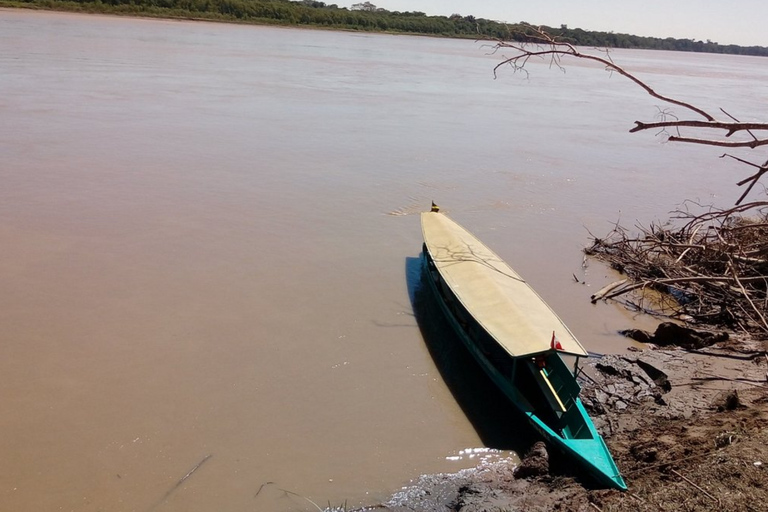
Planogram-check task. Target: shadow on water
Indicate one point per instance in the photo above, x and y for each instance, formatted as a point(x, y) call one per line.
point(497, 423)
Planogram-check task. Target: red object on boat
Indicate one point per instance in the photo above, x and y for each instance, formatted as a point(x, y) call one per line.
point(555, 343)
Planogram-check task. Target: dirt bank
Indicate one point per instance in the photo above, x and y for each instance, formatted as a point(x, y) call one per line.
point(687, 430)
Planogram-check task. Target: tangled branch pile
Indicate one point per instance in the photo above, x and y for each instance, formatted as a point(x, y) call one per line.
point(713, 270)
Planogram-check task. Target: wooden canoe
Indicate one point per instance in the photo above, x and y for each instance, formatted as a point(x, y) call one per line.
point(517, 339)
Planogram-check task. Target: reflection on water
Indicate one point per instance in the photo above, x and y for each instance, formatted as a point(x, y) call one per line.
point(203, 229)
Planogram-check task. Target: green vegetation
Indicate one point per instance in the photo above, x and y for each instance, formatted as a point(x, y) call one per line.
point(367, 17)
point(609, 39)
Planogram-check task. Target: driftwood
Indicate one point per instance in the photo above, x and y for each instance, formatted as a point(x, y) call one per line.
point(713, 270)
point(603, 292)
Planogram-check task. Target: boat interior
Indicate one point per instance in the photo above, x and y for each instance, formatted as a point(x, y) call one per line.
point(550, 391)
point(541, 384)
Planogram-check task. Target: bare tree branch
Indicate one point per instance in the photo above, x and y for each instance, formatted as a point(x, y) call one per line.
point(539, 44)
point(546, 45)
point(720, 143)
point(730, 128)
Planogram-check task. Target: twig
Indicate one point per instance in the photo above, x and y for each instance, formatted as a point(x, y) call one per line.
point(290, 493)
point(746, 295)
point(696, 486)
point(181, 481)
point(690, 241)
point(559, 48)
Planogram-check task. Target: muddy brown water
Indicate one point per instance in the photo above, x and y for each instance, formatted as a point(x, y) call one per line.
point(209, 241)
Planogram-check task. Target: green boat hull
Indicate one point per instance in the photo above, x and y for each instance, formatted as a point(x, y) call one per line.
point(569, 431)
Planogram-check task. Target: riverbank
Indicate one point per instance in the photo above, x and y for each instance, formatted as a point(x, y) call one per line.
point(686, 430)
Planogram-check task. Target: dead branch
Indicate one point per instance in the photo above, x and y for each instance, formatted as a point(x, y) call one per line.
point(538, 44)
point(544, 45)
point(752, 180)
point(730, 128)
point(720, 143)
point(712, 270)
point(747, 297)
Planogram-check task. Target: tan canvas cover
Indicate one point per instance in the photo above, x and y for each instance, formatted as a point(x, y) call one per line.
point(494, 294)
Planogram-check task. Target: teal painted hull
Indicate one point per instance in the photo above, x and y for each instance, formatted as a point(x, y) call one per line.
point(572, 433)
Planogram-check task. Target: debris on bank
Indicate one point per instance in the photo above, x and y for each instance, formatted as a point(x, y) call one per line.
point(710, 271)
point(687, 428)
point(669, 384)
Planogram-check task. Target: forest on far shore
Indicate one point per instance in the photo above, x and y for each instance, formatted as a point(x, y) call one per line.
point(367, 17)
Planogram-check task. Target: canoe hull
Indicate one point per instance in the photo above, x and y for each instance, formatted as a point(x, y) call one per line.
point(589, 450)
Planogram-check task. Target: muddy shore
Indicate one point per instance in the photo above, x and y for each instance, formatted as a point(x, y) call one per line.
point(686, 427)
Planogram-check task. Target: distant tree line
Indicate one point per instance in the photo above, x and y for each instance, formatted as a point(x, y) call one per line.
point(366, 16)
point(581, 37)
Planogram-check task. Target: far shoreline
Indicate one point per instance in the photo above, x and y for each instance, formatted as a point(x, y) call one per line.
point(191, 19)
point(4, 6)
point(371, 27)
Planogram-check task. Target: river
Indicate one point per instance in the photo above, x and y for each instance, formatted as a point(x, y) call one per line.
point(209, 235)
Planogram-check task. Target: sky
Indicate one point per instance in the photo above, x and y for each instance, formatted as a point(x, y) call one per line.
point(742, 22)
